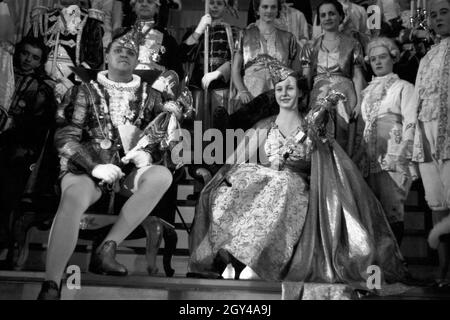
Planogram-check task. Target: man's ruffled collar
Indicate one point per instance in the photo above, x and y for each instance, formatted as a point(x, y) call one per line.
point(133, 85)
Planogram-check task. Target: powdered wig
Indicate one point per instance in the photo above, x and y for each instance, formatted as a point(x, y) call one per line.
point(388, 43)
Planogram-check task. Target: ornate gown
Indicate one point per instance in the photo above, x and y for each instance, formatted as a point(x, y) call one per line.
point(257, 211)
point(328, 232)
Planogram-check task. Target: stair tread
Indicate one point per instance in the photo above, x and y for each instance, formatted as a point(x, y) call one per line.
point(144, 281)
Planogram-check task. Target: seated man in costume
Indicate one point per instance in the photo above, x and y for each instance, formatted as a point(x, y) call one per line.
point(29, 118)
point(74, 38)
point(91, 140)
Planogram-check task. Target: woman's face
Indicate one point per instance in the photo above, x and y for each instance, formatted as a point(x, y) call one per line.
point(381, 61)
point(268, 10)
point(216, 8)
point(329, 17)
point(287, 93)
point(146, 9)
point(440, 17)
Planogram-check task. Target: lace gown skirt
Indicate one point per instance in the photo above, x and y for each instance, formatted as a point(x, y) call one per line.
point(258, 219)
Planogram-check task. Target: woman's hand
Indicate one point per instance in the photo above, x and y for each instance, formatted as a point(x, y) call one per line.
point(245, 96)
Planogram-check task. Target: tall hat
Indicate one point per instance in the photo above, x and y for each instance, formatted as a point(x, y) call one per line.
point(126, 38)
point(279, 72)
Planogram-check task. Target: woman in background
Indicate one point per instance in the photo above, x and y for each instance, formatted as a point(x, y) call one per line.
point(334, 62)
point(262, 43)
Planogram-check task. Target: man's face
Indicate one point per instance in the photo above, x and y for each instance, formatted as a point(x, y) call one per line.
point(121, 59)
point(29, 58)
point(146, 9)
point(440, 17)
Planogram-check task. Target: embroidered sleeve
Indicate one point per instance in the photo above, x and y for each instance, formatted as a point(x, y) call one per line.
point(409, 107)
point(71, 118)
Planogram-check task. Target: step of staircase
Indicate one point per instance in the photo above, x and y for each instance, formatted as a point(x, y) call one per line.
point(26, 286)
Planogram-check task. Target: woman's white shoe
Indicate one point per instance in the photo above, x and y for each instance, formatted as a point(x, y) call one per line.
point(248, 274)
point(229, 272)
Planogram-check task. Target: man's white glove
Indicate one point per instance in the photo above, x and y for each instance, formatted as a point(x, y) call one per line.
point(210, 77)
point(205, 21)
point(108, 173)
point(140, 158)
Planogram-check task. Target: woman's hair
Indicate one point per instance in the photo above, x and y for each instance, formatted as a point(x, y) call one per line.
point(336, 4)
point(256, 4)
point(388, 43)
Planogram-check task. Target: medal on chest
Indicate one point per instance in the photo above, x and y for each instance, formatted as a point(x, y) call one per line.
point(106, 144)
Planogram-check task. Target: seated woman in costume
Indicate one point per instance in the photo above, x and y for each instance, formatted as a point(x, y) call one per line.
point(389, 110)
point(303, 213)
point(221, 47)
point(335, 61)
point(260, 43)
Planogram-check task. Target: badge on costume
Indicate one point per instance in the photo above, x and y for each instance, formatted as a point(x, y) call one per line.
point(105, 144)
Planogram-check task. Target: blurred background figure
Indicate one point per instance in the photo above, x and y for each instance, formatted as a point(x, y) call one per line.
point(7, 40)
point(30, 116)
point(74, 38)
point(222, 38)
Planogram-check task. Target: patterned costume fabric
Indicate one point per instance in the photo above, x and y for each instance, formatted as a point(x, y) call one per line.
point(157, 49)
point(433, 87)
point(343, 229)
point(74, 38)
point(91, 114)
point(257, 53)
point(389, 109)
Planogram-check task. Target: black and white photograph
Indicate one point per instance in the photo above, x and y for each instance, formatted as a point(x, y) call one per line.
point(225, 155)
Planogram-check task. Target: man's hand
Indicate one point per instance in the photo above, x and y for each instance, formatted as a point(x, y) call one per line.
point(108, 173)
point(210, 77)
point(139, 158)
